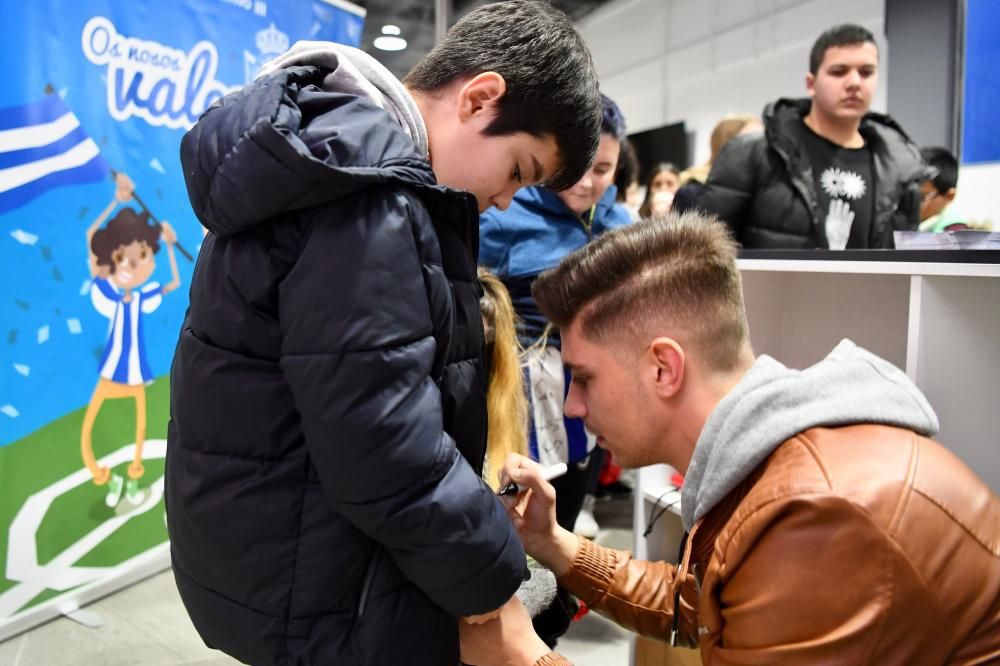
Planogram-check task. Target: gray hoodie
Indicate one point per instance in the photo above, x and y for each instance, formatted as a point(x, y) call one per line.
point(772, 403)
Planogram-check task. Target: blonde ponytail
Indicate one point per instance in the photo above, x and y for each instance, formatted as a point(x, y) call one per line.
point(505, 399)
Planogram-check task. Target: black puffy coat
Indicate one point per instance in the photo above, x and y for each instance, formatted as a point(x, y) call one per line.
point(762, 184)
point(319, 510)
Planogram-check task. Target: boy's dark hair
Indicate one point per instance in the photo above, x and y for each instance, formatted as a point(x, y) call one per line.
point(840, 35)
point(124, 228)
point(551, 79)
point(943, 170)
point(627, 171)
point(675, 272)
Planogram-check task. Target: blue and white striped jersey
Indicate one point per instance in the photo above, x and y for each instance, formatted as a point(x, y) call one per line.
point(124, 359)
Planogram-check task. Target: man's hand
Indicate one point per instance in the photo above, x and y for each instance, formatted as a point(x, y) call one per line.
point(508, 640)
point(533, 514)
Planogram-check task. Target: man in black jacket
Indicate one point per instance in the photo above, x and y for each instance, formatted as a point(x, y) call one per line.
point(328, 413)
point(826, 172)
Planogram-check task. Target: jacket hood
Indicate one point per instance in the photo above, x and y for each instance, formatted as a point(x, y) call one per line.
point(783, 120)
point(787, 109)
point(772, 404)
point(290, 141)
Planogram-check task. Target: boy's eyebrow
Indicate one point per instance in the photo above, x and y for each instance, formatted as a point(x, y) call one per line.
point(538, 169)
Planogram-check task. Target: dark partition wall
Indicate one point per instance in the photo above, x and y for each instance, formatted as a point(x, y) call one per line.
point(667, 143)
point(924, 68)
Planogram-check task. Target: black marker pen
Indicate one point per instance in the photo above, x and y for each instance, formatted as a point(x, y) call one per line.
point(548, 473)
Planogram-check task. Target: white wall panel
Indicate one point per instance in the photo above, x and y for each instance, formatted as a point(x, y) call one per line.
point(636, 32)
point(736, 46)
point(665, 61)
point(690, 20)
point(638, 89)
point(690, 62)
point(730, 15)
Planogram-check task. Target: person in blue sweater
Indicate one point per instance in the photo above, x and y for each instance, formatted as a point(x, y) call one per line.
point(517, 243)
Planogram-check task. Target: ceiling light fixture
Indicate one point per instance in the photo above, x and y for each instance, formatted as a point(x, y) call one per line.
point(390, 40)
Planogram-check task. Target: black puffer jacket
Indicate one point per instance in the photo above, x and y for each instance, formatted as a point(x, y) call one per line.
point(762, 185)
point(319, 510)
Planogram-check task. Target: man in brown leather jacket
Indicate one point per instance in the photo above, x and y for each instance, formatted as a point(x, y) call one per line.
point(823, 525)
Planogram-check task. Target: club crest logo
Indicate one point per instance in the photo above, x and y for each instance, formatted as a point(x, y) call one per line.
point(271, 43)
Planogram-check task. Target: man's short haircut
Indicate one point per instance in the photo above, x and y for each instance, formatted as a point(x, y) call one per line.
point(840, 35)
point(672, 275)
point(551, 79)
point(943, 170)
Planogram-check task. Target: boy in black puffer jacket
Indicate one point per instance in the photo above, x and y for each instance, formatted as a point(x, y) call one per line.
point(328, 418)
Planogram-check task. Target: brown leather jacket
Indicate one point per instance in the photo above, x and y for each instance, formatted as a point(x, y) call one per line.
point(856, 545)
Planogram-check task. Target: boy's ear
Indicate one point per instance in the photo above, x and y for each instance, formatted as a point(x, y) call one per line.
point(480, 94)
point(950, 194)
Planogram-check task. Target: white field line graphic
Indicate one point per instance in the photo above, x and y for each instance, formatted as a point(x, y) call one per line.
point(60, 574)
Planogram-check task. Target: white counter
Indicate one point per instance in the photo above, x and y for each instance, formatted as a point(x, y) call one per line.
point(940, 322)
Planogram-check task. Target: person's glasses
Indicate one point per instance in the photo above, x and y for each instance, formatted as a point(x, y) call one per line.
point(930, 196)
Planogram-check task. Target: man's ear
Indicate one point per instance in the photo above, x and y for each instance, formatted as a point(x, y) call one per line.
point(668, 358)
point(811, 84)
point(480, 94)
point(950, 194)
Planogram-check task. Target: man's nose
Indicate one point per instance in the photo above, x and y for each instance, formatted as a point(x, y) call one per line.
point(574, 408)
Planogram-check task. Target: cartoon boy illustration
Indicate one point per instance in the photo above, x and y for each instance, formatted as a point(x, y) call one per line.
point(122, 259)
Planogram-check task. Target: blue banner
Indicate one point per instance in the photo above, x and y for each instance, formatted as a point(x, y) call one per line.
point(981, 117)
point(96, 240)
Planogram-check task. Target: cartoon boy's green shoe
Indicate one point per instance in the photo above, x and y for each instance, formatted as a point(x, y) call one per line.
point(115, 485)
point(132, 492)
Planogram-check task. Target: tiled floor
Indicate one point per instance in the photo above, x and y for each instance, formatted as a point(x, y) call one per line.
point(146, 625)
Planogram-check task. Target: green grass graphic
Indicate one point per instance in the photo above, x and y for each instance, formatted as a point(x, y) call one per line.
point(53, 452)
